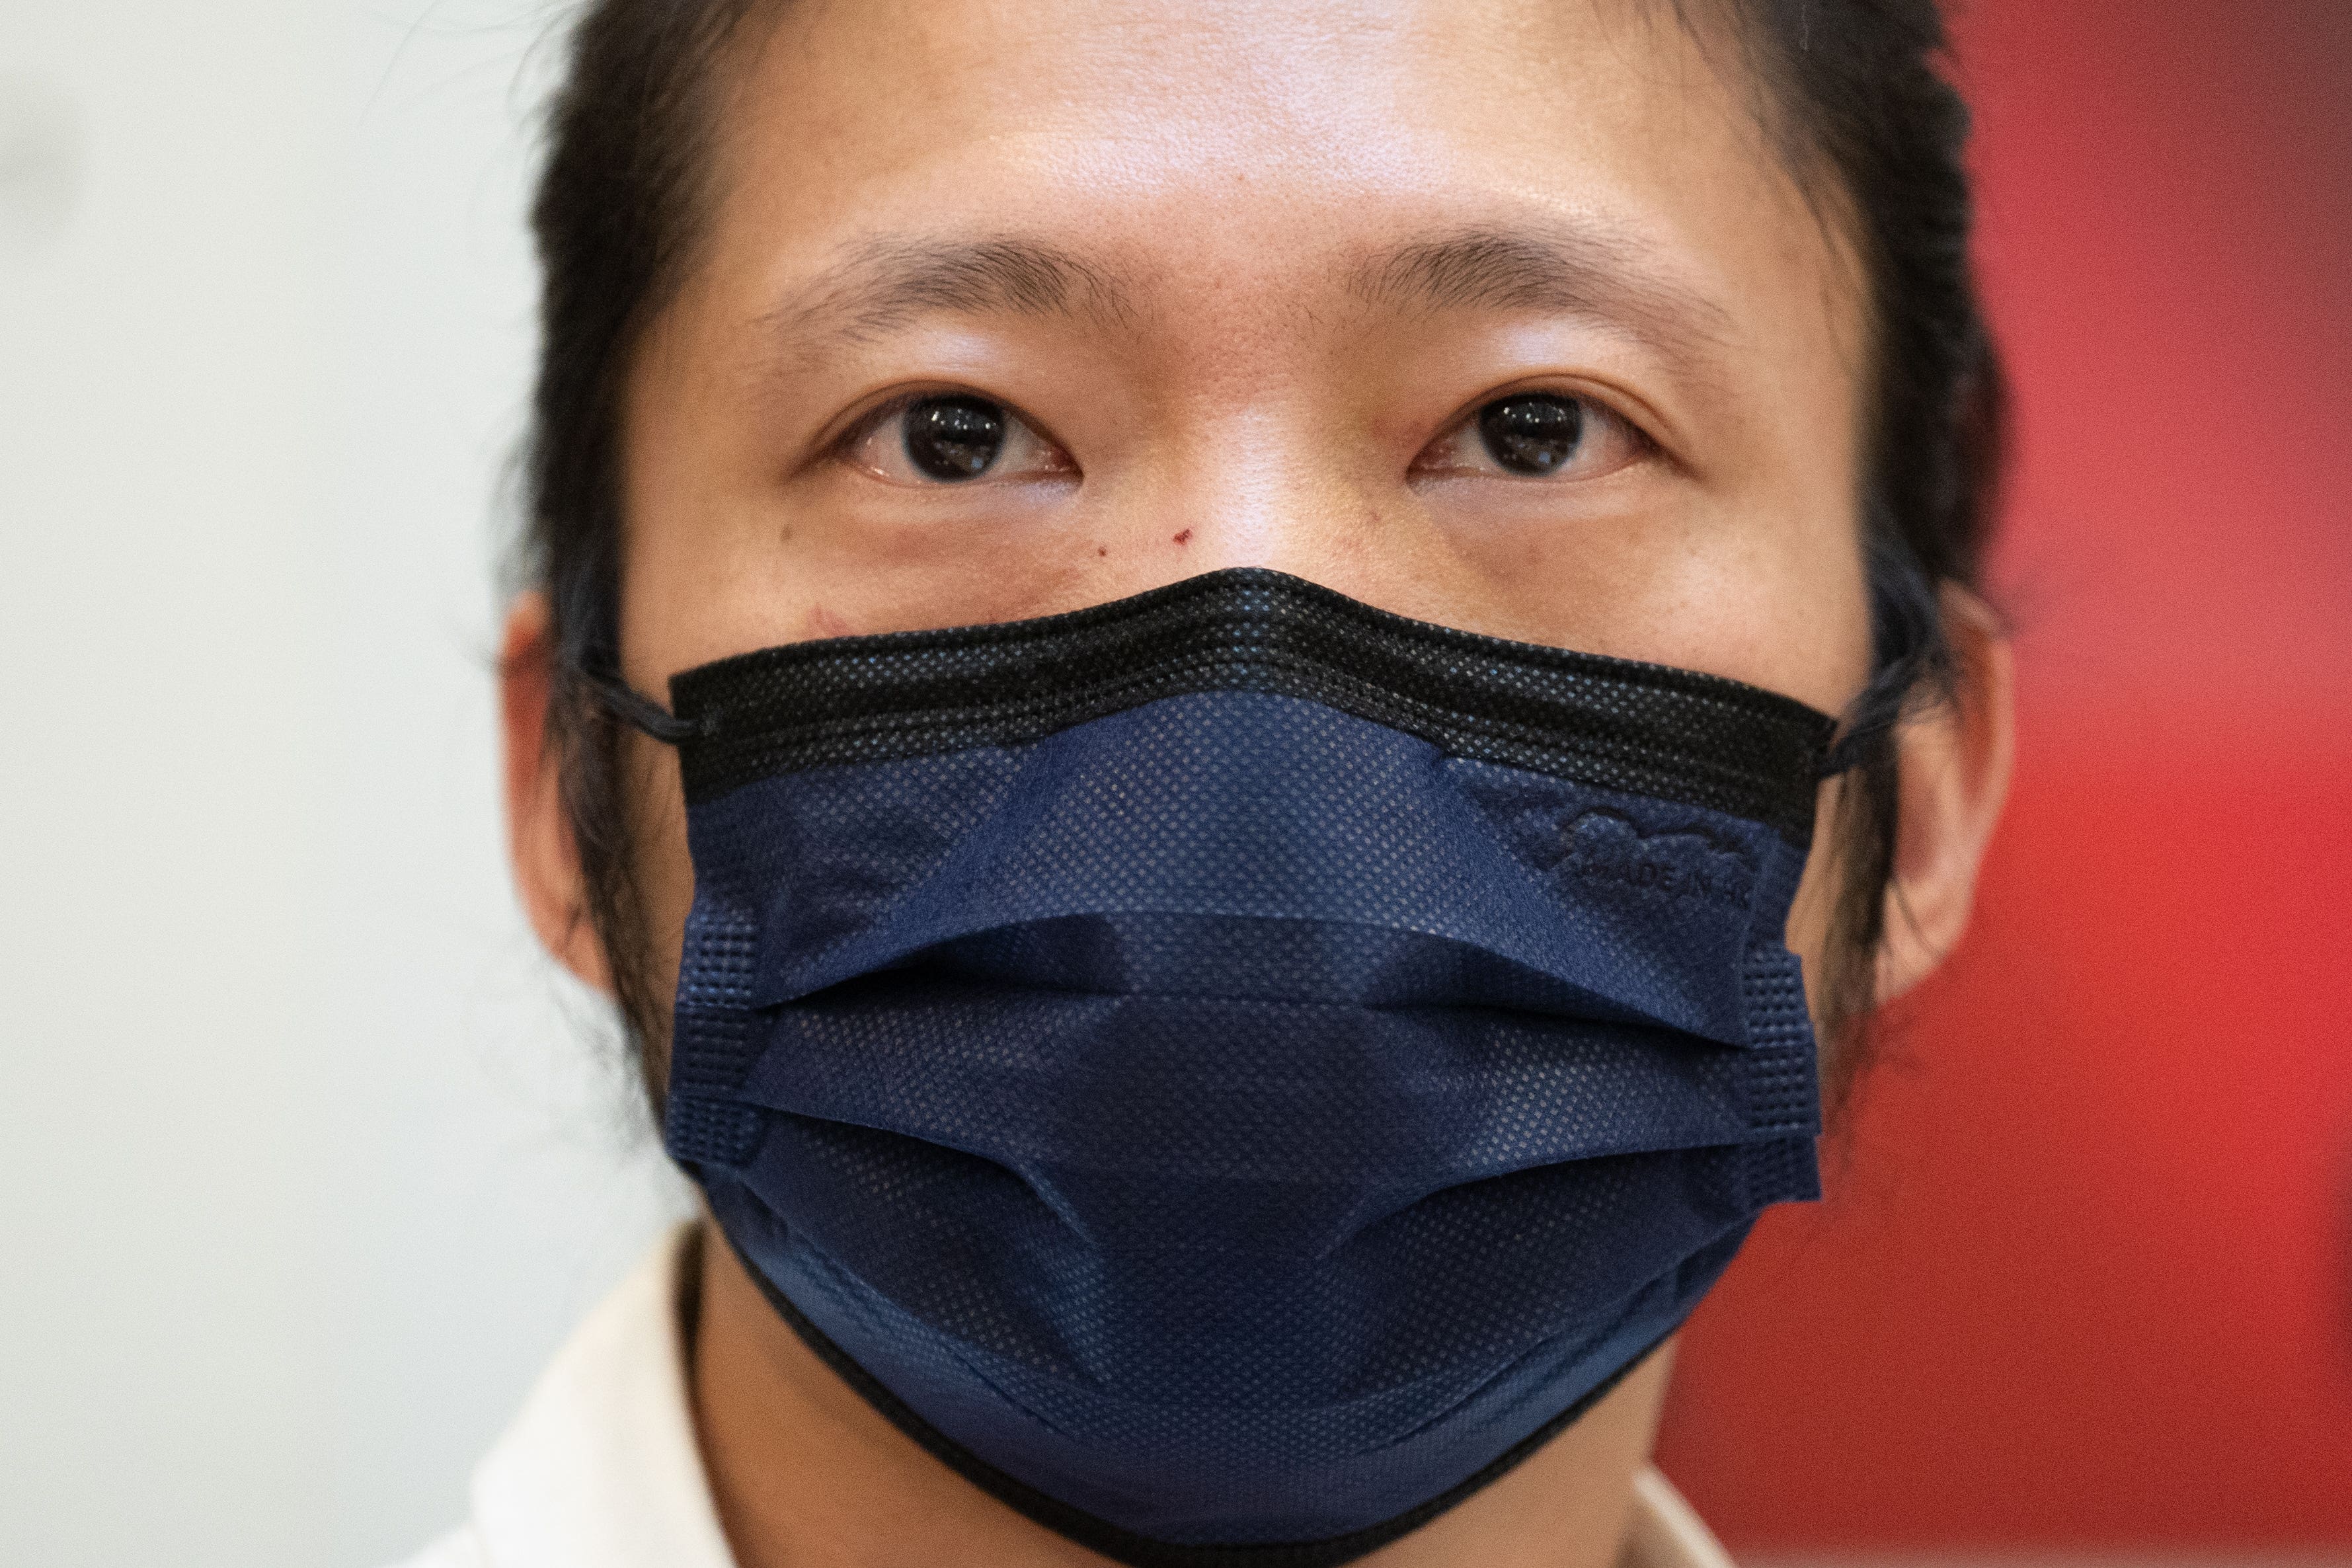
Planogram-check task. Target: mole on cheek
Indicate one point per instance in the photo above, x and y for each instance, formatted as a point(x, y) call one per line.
point(1185, 537)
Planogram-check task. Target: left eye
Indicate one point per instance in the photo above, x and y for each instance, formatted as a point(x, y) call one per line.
point(951, 438)
point(1535, 435)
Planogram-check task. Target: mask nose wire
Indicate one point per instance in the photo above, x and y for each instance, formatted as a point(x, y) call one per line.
point(1868, 726)
point(1867, 732)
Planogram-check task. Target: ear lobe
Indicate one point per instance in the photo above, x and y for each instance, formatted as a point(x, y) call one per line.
point(1953, 766)
point(540, 842)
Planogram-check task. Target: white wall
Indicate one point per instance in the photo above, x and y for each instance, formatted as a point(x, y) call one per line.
point(306, 1159)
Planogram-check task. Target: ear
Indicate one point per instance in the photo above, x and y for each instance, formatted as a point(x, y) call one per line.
point(540, 842)
point(1953, 768)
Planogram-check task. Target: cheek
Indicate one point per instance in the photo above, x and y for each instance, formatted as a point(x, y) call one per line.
point(663, 868)
point(1812, 918)
point(1812, 914)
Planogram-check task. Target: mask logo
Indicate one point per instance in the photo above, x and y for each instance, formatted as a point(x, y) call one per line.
point(1607, 847)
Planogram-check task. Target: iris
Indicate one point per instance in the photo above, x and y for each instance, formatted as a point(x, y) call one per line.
point(1534, 433)
point(954, 437)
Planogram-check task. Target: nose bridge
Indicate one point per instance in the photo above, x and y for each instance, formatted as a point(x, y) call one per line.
point(1266, 458)
point(1277, 473)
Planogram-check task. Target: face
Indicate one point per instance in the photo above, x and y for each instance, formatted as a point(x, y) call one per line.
point(1498, 313)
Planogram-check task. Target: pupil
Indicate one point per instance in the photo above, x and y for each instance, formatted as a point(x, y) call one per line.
point(1531, 434)
point(954, 437)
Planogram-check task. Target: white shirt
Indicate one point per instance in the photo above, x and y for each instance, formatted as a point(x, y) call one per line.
point(601, 1469)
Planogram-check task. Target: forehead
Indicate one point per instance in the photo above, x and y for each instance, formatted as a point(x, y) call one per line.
point(1192, 143)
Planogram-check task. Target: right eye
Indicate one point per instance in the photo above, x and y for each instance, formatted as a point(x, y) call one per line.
point(951, 438)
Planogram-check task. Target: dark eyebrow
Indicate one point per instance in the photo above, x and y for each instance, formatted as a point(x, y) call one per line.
point(1572, 271)
point(878, 285)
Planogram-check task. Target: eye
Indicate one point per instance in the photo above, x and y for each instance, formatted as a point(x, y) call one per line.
point(1537, 435)
point(951, 438)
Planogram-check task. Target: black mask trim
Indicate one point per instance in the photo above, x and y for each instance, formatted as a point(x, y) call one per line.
point(1605, 723)
point(1099, 1535)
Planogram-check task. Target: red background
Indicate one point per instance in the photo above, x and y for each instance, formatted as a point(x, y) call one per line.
point(2084, 1276)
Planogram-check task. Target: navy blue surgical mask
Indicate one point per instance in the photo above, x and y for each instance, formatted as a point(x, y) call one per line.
point(1233, 1071)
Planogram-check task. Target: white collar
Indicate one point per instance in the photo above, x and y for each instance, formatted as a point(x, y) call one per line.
point(602, 1470)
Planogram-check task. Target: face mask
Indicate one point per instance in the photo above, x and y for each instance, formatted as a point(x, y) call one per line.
point(1233, 1071)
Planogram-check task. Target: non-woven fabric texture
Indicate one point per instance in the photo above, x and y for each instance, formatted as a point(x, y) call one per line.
point(1233, 1070)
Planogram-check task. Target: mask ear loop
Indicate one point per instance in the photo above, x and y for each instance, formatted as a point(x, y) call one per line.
point(1867, 732)
point(640, 712)
point(1910, 652)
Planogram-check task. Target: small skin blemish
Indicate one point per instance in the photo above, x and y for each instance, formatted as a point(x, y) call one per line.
point(823, 622)
point(1102, 549)
point(1185, 537)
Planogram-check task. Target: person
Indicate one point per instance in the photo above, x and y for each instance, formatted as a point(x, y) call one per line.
point(1226, 691)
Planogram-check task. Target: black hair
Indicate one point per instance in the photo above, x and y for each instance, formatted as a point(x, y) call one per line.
point(1857, 95)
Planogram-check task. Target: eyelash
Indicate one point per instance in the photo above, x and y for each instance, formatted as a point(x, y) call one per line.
point(1468, 436)
point(1514, 436)
point(867, 445)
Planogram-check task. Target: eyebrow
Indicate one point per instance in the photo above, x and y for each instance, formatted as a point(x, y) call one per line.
point(1568, 271)
point(882, 285)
